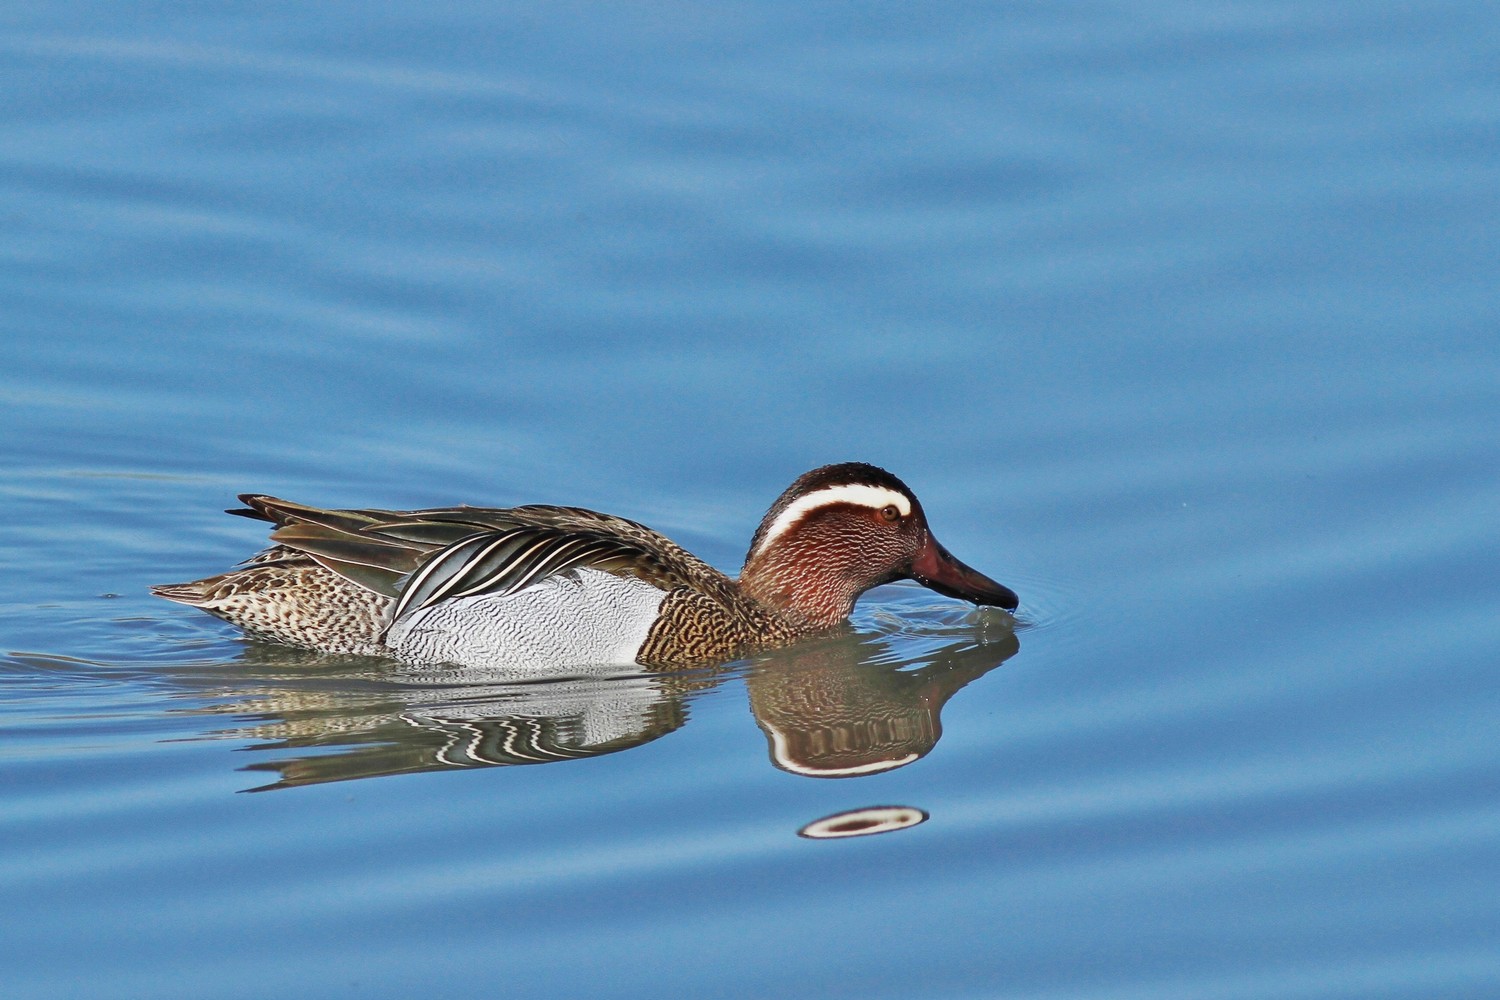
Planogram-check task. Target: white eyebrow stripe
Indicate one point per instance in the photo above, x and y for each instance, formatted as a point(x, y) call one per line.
point(874, 497)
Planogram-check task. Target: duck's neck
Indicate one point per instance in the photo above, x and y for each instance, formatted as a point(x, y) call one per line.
point(784, 585)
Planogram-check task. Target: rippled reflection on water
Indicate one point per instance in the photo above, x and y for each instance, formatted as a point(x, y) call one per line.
point(837, 707)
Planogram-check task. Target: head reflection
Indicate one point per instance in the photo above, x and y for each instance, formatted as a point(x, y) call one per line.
point(830, 712)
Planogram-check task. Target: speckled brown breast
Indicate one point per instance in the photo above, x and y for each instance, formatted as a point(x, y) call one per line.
point(693, 626)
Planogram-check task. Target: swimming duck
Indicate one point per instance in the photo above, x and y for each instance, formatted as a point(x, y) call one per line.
point(558, 585)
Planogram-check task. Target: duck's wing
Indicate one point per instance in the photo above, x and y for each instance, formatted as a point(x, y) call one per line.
point(348, 542)
point(422, 557)
point(504, 561)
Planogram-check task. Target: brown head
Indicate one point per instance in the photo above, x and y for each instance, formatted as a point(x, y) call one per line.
point(842, 529)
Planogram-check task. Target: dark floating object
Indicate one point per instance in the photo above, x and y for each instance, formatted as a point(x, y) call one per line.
point(863, 822)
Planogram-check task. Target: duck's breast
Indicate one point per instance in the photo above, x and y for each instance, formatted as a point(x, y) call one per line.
point(586, 616)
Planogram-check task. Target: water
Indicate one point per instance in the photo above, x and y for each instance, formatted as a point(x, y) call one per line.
point(1179, 318)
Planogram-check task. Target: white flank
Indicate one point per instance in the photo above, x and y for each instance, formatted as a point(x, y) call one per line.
point(874, 497)
point(581, 618)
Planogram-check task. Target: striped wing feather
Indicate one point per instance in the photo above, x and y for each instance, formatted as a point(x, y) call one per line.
point(503, 562)
point(422, 557)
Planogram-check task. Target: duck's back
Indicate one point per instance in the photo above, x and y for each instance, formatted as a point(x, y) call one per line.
point(524, 585)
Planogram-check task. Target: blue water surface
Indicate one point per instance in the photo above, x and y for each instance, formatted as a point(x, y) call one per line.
point(1180, 318)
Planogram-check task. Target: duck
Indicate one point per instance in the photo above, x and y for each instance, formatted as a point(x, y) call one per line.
point(552, 586)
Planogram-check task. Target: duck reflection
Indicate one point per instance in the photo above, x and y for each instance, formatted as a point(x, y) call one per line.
point(463, 718)
point(837, 707)
point(838, 712)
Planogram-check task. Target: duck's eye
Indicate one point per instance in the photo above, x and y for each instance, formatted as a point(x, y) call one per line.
point(890, 514)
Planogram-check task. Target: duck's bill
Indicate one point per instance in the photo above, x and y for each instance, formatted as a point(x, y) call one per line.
point(935, 568)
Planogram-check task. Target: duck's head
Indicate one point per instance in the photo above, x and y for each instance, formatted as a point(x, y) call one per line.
point(842, 529)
